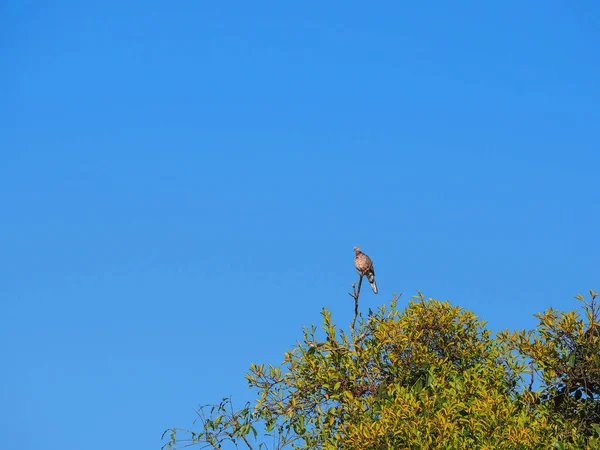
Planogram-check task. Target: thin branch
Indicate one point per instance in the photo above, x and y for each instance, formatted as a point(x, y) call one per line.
point(355, 296)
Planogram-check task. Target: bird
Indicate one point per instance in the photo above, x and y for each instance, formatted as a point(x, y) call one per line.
point(364, 266)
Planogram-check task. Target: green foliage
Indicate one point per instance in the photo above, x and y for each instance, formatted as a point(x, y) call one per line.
point(430, 376)
point(564, 350)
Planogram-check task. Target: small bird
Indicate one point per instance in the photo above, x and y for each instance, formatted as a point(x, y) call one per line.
point(364, 266)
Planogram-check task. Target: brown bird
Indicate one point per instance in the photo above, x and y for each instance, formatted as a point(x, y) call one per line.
point(364, 266)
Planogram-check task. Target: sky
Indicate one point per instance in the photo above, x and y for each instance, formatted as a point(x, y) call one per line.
point(182, 185)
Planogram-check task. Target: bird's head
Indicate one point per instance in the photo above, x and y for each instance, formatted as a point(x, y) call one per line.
point(357, 250)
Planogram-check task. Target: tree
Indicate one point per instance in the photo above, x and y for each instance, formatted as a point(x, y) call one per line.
point(564, 351)
point(430, 376)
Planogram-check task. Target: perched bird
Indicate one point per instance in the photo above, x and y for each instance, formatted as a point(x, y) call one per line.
point(364, 266)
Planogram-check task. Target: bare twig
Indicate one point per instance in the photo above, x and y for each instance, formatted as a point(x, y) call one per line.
point(355, 296)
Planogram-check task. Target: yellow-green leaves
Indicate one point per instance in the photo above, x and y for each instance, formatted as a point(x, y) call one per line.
point(564, 351)
point(429, 376)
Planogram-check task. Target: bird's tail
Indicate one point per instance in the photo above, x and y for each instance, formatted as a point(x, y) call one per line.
point(371, 278)
point(373, 286)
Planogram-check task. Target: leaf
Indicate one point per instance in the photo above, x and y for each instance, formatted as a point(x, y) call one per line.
point(418, 386)
point(429, 380)
point(243, 430)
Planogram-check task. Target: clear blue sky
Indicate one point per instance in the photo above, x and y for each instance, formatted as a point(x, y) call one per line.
point(182, 184)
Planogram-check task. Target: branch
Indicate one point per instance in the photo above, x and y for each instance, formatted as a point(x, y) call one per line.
point(530, 387)
point(355, 296)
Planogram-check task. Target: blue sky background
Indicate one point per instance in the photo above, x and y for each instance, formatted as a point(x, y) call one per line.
point(182, 184)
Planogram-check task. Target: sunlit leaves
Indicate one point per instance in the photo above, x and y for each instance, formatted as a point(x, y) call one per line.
point(430, 376)
point(564, 351)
